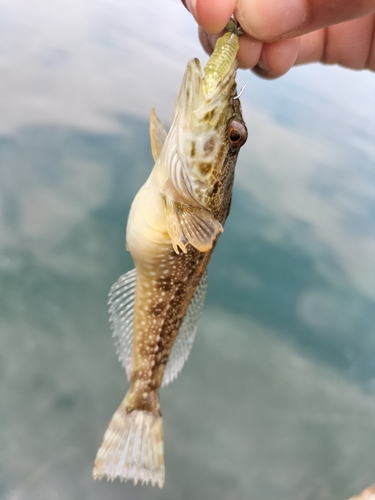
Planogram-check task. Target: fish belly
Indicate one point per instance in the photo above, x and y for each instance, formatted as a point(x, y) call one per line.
point(165, 285)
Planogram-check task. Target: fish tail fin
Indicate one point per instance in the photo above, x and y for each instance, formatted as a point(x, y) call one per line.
point(132, 447)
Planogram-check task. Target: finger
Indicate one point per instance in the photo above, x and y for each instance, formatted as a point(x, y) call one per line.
point(350, 44)
point(277, 58)
point(272, 19)
point(213, 15)
point(311, 47)
point(207, 41)
point(249, 52)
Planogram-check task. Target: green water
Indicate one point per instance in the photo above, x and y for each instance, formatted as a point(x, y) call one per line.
point(277, 400)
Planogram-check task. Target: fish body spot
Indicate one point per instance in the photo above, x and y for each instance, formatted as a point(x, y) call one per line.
point(204, 167)
point(220, 122)
point(209, 115)
point(193, 149)
point(216, 187)
point(166, 286)
point(158, 308)
point(209, 145)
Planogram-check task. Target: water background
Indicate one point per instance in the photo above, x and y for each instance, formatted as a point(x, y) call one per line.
point(277, 401)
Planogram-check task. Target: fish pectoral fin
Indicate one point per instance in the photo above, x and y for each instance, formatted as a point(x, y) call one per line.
point(194, 225)
point(158, 135)
point(186, 334)
point(121, 310)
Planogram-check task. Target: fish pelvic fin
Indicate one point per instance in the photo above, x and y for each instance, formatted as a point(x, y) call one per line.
point(188, 224)
point(132, 448)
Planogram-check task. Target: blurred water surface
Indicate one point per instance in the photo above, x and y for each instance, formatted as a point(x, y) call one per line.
point(277, 400)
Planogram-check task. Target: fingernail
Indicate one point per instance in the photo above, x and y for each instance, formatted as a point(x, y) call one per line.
point(262, 63)
point(262, 66)
point(192, 6)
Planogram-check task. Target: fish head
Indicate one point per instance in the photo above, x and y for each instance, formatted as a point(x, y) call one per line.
point(206, 133)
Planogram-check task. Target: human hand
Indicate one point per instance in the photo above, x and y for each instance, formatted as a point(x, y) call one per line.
point(282, 33)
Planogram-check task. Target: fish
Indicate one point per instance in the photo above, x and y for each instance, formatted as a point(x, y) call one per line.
point(173, 226)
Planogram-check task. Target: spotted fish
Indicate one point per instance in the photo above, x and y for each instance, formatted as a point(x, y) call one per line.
point(173, 225)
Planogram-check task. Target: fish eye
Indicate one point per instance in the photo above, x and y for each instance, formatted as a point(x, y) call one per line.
point(237, 133)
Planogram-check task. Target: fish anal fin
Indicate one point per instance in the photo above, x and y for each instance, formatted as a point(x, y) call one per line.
point(121, 310)
point(158, 135)
point(190, 224)
point(186, 335)
point(132, 447)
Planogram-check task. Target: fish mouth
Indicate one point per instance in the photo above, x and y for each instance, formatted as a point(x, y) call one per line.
point(207, 92)
point(217, 82)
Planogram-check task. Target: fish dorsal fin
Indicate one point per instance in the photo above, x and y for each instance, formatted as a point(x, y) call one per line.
point(189, 224)
point(121, 311)
point(185, 338)
point(158, 135)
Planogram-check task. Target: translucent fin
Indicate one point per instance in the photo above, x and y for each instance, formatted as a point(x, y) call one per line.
point(184, 341)
point(121, 310)
point(132, 448)
point(158, 135)
point(187, 224)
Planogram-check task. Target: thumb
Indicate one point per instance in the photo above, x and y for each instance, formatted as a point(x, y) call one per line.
point(212, 15)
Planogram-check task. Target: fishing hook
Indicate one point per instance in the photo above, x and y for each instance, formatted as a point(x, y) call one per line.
point(243, 88)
